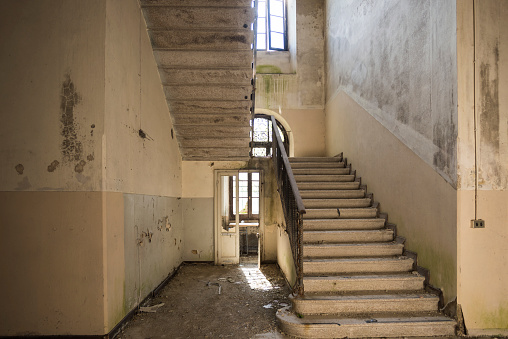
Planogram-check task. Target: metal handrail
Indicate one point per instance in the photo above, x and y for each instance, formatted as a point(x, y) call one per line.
point(292, 203)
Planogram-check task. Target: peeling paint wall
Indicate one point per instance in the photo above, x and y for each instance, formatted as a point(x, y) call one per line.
point(391, 107)
point(482, 35)
point(292, 83)
point(397, 59)
point(90, 176)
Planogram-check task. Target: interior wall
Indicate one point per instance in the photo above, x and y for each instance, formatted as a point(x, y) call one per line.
point(397, 59)
point(482, 35)
point(142, 162)
point(96, 220)
point(391, 108)
point(291, 83)
point(50, 174)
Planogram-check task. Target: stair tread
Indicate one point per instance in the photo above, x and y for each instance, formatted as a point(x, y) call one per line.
point(315, 159)
point(382, 230)
point(368, 297)
point(378, 259)
point(370, 276)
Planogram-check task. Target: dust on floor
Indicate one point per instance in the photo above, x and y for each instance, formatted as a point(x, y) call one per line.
point(193, 307)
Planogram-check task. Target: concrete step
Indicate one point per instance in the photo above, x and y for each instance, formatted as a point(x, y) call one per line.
point(351, 185)
point(344, 213)
point(333, 164)
point(202, 39)
point(315, 159)
point(365, 304)
point(337, 203)
point(352, 250)
point(351, 283)
point(362, 327)
point(357, 236)
point(332, 194)
point(324, 178)
point(321, 171)
point(342, 224)
point(206, 92)
point(174, 76)
point(357, 265)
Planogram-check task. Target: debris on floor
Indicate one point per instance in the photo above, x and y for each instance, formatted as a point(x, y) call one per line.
point(151, 309)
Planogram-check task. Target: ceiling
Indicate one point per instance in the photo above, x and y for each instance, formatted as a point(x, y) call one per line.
point(204, 55)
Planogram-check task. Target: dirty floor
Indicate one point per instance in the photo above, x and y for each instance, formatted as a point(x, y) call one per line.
point(190, 305)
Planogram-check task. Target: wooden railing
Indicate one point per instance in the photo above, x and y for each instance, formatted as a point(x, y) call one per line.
point(292, 203)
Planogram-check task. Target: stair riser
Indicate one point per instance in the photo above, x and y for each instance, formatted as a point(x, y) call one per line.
point(293, 326)
point(337, 203)
point(343, 224)
point(324, 178)
point(344, 213)
point(330, 307)
point(316, 251)
point(295, 165)
point(321, 171)
point(329, 194)
point(320, 268)
point(354, 185)
point(315, 159)
point(347, 237)
point(353, 285)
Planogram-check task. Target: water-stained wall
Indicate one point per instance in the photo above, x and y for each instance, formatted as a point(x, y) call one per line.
point(397, 59)
point(482, 36)
point(90, 176)
point(391, 107)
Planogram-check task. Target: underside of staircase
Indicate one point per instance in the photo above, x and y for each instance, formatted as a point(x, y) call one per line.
point(358, 281)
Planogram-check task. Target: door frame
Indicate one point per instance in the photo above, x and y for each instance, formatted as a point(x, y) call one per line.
point(217, 215)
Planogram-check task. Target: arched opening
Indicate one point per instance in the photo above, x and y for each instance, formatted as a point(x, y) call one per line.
point(261, 138)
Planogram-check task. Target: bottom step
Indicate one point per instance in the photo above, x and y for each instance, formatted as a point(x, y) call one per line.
point(329, 327)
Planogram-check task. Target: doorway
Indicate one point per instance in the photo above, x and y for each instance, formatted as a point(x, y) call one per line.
point(238, 210)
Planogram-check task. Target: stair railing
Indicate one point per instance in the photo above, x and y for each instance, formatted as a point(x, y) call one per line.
point(292, 203)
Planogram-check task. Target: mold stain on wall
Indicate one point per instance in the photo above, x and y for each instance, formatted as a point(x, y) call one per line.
point(71, 148)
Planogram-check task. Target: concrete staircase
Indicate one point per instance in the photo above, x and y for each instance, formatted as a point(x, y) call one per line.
point(357, 280)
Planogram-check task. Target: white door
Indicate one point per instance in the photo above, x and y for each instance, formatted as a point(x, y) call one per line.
point(226, 226)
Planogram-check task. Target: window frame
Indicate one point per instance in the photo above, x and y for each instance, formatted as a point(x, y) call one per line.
point(269, 31)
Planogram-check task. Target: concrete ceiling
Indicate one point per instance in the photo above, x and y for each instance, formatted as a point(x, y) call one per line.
point(203, 51)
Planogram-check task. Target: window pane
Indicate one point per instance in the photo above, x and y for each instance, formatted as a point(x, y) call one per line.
point(259, 152)
point(255, 205)
point(255, 176)
point(261, 41)
point(243, 176)
point(261, 25)
point(276, 24)
point(276, 40)
point(261, 9)
point(277, 8)
point(261, 130)
point(255, 189)
point(244, 205)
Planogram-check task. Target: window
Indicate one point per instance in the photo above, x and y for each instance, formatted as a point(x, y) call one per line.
point(271, 25)
point(261, 138)
point(248, 196)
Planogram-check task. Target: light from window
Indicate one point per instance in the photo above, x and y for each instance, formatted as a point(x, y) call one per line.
point(271, 25)
point(262, 136)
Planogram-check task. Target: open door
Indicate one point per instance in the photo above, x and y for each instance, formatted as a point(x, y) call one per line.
point(238, 216)
point(227, 243)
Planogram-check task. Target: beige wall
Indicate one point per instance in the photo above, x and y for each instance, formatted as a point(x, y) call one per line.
point(483, 101)
point(95, 221)
point(417, 199)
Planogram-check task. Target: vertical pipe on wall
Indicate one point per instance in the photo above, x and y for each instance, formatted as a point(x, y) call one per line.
point(475, 118)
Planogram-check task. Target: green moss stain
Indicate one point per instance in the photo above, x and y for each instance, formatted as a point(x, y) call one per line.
point(496, 319)
point(268, 69)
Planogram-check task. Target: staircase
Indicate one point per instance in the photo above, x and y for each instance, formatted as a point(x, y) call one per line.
point(357, 280)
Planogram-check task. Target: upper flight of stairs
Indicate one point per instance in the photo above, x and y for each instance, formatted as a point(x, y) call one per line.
point(357, 280)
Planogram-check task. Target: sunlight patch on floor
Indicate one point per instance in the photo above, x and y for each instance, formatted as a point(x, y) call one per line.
point(256, 279)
